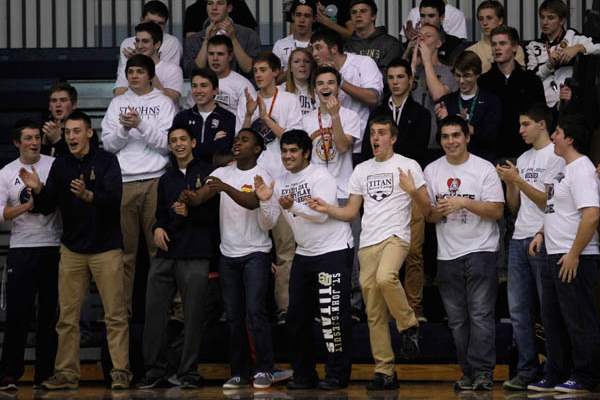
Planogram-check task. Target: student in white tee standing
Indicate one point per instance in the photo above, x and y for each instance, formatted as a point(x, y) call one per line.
point(303, 14)
point(270, 113)
point(526, 195)
point(31, 263)
point(569, 280)
point(320, 276)
point(468, 199)
point(387, 184)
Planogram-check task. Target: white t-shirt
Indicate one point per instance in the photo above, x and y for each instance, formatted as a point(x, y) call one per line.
point(284, 47)
point(307, 103)
point(28, 229)
point(243, 231)
point(454, 24)
point(231, 92)
point(387, 208)
point(170, 50)
point(568, 191)
point(534, 165)
point(363, 72)
point(286, 113)
point(170, 76)
point(325, 152)
point(315, 232)
point(464, 232)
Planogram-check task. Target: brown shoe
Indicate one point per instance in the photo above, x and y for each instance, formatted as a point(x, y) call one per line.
point(60, 382)
point(120, 380)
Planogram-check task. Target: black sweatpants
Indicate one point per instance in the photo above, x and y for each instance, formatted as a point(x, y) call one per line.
point(31, 271)
point(321, 282)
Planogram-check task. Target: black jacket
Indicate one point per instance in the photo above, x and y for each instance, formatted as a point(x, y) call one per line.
point(204, 131)
point(486, 122)
point(413, 131)
point(88, 228)
point(451, 48)
point(194, 236)
point(518, 93)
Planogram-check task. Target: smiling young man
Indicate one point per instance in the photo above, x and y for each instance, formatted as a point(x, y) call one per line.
point(490, 14)
point(135, 129)
point(168, 78)
point(86, 188)
point(517, 89)
point(321, 271)
point(32, 262)
point(526, 197)
point(480, 108)
point(468, 200)
point(570, 276)
point(212, 126)
point(369, 40)
point(303, 13)
point(388, 184)
point(553, 55)
point(186, 237)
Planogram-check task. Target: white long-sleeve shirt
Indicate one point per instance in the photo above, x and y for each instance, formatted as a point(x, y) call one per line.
point(142, 152)
point(315, 232)
point(28, 229)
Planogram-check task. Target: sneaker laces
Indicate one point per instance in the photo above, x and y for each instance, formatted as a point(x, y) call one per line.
point(267, 375)
point(570, 382)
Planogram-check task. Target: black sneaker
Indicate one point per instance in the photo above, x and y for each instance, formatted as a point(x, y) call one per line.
point(190, 382)
point(464, 383)
point(281, 317)
point(331, 384)
point(8, 383)
point(409, 347)
point(301, 384)
point(383, 382)
point(483, 381)
point(151, 382)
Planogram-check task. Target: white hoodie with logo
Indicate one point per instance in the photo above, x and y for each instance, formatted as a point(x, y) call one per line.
point(142, 151)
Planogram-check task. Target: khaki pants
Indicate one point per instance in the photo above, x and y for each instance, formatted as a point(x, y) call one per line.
point(285, 247)
point(138, 209)
point(74, 274)
point(414, 275)
point(383, 295)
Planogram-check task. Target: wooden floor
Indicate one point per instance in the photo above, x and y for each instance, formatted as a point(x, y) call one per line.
point(213, 391)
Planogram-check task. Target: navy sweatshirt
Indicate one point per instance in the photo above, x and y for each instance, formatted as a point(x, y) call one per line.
point(88, 228)
point(194, 236)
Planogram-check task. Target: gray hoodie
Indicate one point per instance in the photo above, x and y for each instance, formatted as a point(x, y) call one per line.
point(380, 46)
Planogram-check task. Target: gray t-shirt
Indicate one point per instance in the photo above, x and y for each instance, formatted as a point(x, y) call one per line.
point(421, 95)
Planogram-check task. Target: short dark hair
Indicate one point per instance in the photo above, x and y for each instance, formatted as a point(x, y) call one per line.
point(452, 120)
point(439, 5)
point(65, 87)
point(401, 62)
point(298, 137)
point(494, 5)
point(179, 127)
point(308, 3)
point(539, 112)
point(331, 39)
point(152, 28)
point(468, 61)
point(260, 141)
point(23, 124)
point(157, 8)
point(270, 58)
point(140, 60)
point(384, 119)
point(372, 5)
point(557, 7)
point(574, 126)
point(327, 70)
point(78, 115)
point(221, 40)
point(512, 33)
point(206, 73)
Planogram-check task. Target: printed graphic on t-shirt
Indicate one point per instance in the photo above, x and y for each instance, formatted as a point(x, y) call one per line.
point(264, 131)
point(298, 191)
point(224, 99)
point(380, 186)
point(453, 184)
point(329, 306)
point(532, 174)
point(550, 192)
point(246, 188)
point(324, 146)
point(306, 104)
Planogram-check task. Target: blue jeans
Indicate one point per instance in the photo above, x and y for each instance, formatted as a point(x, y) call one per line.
point(468, 286)
point(524, 282)
point(244, 282)
point(571, 322)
